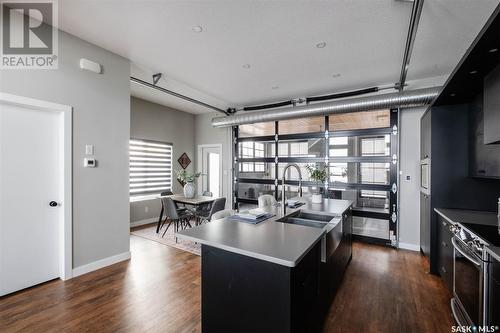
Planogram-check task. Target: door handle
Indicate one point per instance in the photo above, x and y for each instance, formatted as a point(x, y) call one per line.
point(53, 204)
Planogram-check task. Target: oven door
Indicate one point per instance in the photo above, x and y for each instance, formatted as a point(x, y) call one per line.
point(467, 283)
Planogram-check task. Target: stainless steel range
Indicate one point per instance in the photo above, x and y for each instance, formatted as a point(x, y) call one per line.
point(470, 265)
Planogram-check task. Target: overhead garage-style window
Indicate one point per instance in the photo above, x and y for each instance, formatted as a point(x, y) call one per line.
point(150, 167)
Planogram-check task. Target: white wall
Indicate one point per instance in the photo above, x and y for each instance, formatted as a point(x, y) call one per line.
point(409, 205)
point(205, 133)
point(101, 117)
point(152, 121)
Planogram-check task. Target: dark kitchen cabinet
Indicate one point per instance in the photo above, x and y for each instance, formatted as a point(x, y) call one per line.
point(425, 224)
point(425, 136)
point(445, 253)
point(245, 294)
point(492, 107)
point(484, 159)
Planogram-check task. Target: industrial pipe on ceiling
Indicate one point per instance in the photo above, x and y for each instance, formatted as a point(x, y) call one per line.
point(412, 98)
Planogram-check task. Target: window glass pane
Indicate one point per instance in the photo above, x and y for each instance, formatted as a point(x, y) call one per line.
point(258, 129)
point(354, 146)
point(301, 125)
point(370, 227)
point(360, 173)
point(257, 170)
point(292, 173)
point(378, 203)
point(359, 120)
point(302, 148)
point(253, 191)
point(250, 149)
point(293, 191)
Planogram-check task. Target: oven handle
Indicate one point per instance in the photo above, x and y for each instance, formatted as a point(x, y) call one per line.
point(455, 245)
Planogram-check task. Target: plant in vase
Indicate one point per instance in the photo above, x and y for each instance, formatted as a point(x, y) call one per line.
point(188, 180)
point(319, 175)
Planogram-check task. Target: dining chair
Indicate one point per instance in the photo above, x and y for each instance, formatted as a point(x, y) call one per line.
point(173, 215)
point(218, 205)
point(180, 209)
point(222, 214)
point(266, 200)
point(204, 208)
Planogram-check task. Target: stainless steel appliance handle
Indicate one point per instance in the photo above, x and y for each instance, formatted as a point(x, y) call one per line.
point(455, 245)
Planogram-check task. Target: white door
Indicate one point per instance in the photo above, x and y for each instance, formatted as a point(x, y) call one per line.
point(30, 178)
point(211, 169)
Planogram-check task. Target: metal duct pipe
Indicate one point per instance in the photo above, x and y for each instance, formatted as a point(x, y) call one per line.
point(404, 99)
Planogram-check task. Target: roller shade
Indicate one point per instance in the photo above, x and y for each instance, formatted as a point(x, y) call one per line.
point(150, 167)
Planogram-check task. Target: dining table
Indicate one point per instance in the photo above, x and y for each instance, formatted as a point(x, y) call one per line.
point(181, 199)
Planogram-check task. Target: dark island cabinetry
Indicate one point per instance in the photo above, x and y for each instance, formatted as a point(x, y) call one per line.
point(241, 293)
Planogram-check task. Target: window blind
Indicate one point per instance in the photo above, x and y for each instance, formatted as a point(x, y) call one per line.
point(150, 167)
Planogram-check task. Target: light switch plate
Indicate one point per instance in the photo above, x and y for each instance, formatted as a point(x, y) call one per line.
point(89, 149)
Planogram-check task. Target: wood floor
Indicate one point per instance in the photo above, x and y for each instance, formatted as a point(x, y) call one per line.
point(384, 290)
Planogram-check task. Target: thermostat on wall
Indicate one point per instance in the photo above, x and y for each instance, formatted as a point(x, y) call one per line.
point(89, 162)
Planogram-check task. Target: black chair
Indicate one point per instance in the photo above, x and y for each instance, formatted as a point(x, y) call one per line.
point(180, 219)
point(218, 205)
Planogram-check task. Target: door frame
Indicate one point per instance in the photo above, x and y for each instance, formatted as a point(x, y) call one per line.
point(199, 165)
point(66, 218)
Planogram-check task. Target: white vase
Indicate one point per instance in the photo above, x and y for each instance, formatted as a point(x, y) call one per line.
point(189, 190)
point(317, 198)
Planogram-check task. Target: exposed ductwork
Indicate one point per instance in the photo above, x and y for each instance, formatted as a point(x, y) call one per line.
point(413, 98)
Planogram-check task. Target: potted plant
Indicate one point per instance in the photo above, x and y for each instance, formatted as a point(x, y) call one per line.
point(319, 175)
point(188, 180)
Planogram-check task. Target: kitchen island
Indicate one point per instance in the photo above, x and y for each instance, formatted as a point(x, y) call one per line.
point(276, 276)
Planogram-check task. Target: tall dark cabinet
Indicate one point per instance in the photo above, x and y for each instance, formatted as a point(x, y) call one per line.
point(456, 132)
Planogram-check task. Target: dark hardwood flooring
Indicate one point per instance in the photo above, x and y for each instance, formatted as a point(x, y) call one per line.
point(158, 290)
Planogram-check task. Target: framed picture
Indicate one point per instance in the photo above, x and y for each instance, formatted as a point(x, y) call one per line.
point(184, 160)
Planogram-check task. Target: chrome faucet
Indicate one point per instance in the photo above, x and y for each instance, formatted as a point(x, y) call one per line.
point(283, 195)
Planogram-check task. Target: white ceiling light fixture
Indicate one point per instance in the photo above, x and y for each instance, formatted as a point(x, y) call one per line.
point(246, 66)
point(473, 72)
point(321, 45)
point(197, 28)
point(493, 50)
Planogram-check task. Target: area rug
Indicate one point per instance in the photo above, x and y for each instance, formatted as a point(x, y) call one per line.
point(149, 232)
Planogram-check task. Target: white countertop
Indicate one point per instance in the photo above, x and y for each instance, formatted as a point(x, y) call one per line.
point(280, 243)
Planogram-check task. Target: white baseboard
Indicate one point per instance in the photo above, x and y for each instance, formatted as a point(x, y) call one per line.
point(408, 246)
point(93, 266)
point(143, 222)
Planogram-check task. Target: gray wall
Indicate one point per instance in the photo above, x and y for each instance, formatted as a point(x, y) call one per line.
point(409, 218)
point(204, 133)
point(101, 117)
point(157, 122)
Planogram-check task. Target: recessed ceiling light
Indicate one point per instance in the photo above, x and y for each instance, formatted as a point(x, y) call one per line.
point(321, 45)
point(453, 94)
point(246, 66)
point(473, 72)
point(336, 75)
point(493, 50)
point(198, 28)
point(275, 87)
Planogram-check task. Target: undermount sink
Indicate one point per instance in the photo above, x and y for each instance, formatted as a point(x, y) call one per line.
point(307, 219)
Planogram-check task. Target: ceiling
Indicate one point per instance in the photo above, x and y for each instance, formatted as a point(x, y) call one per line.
point(277, 41)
